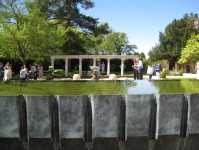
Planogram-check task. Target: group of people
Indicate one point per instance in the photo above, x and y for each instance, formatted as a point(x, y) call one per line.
point(151, 69)
point(157, 70)
point(101, 67)
point(35, 72)
point(137, 69)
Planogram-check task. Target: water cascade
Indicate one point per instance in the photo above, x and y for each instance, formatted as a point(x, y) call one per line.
point(100, 122)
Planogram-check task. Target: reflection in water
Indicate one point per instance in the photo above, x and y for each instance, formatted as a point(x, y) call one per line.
point(188, 85)
point(143, 87)
point(98, 87)
point(177, 86)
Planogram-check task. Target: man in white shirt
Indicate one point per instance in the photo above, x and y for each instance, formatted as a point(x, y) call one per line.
point(23, 73)
point(140, 69)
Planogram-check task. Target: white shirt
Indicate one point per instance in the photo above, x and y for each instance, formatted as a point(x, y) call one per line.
point(23, 73)
point(150, 70)
point(140, 64)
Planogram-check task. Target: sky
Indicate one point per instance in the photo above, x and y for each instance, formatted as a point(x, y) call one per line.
point(141, 20)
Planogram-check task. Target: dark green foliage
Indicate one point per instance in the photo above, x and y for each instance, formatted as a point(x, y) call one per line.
point(173, 40)
point(163, 74)
point(68, 12)
point(180, 72)
point(141, 55)
point(60, 72)
point(167, 71)
point(40, 28)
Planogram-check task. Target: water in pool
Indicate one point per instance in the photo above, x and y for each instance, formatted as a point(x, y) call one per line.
point(98, 87)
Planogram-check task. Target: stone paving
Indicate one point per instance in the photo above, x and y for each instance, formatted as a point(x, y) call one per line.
point(185, 75)
point(145, 77)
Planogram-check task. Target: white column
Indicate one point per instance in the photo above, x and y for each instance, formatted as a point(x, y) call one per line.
point(80, 66)
point(122, 66)
point(108, 66)
point(66, 67)
point(94, 61)
point(52, 62)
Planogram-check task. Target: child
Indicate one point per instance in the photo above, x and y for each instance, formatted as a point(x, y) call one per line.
point(150, 71)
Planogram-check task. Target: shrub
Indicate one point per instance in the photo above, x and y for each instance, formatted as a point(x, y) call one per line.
point(180, 72)
point(167, 72)
point(163, 74)
point(59, 72)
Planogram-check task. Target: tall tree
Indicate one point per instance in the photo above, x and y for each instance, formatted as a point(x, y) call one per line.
point(173, 39)
point(116, 43)
point(141, 55)
point(190, 54)
point(68, 13)
point(96, 39)
point(25, 33)
point(155, 53)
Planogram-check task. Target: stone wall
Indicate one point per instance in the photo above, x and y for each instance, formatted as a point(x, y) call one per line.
point(100, 122)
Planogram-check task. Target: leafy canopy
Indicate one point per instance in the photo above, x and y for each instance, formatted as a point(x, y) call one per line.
point(26, 34)
point(116, 43)
point(173, 39)
point(190, 54)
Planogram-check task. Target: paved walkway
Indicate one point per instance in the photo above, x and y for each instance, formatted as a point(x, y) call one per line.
point(146, 77)
point(185, 75)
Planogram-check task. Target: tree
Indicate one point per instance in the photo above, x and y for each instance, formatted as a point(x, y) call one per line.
point(155, 54)
point(25, 33)
point(173, 40)
point(116, 43)
point(141, 55)
point(190, 54)
point(68, 14)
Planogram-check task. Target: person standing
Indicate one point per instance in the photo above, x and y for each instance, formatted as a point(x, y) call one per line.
point(140, 69)
point(7, 71)
point(23, 73)
point(1, 71)
point(33, 72)
point(197, 70)
point(25, 68)
point(135, 69)
point(150, 71)
point(103, 68)
point(40, 71)
point(99, 68)
point(158, 69)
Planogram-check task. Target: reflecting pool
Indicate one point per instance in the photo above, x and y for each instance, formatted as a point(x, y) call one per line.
point(99, 87)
